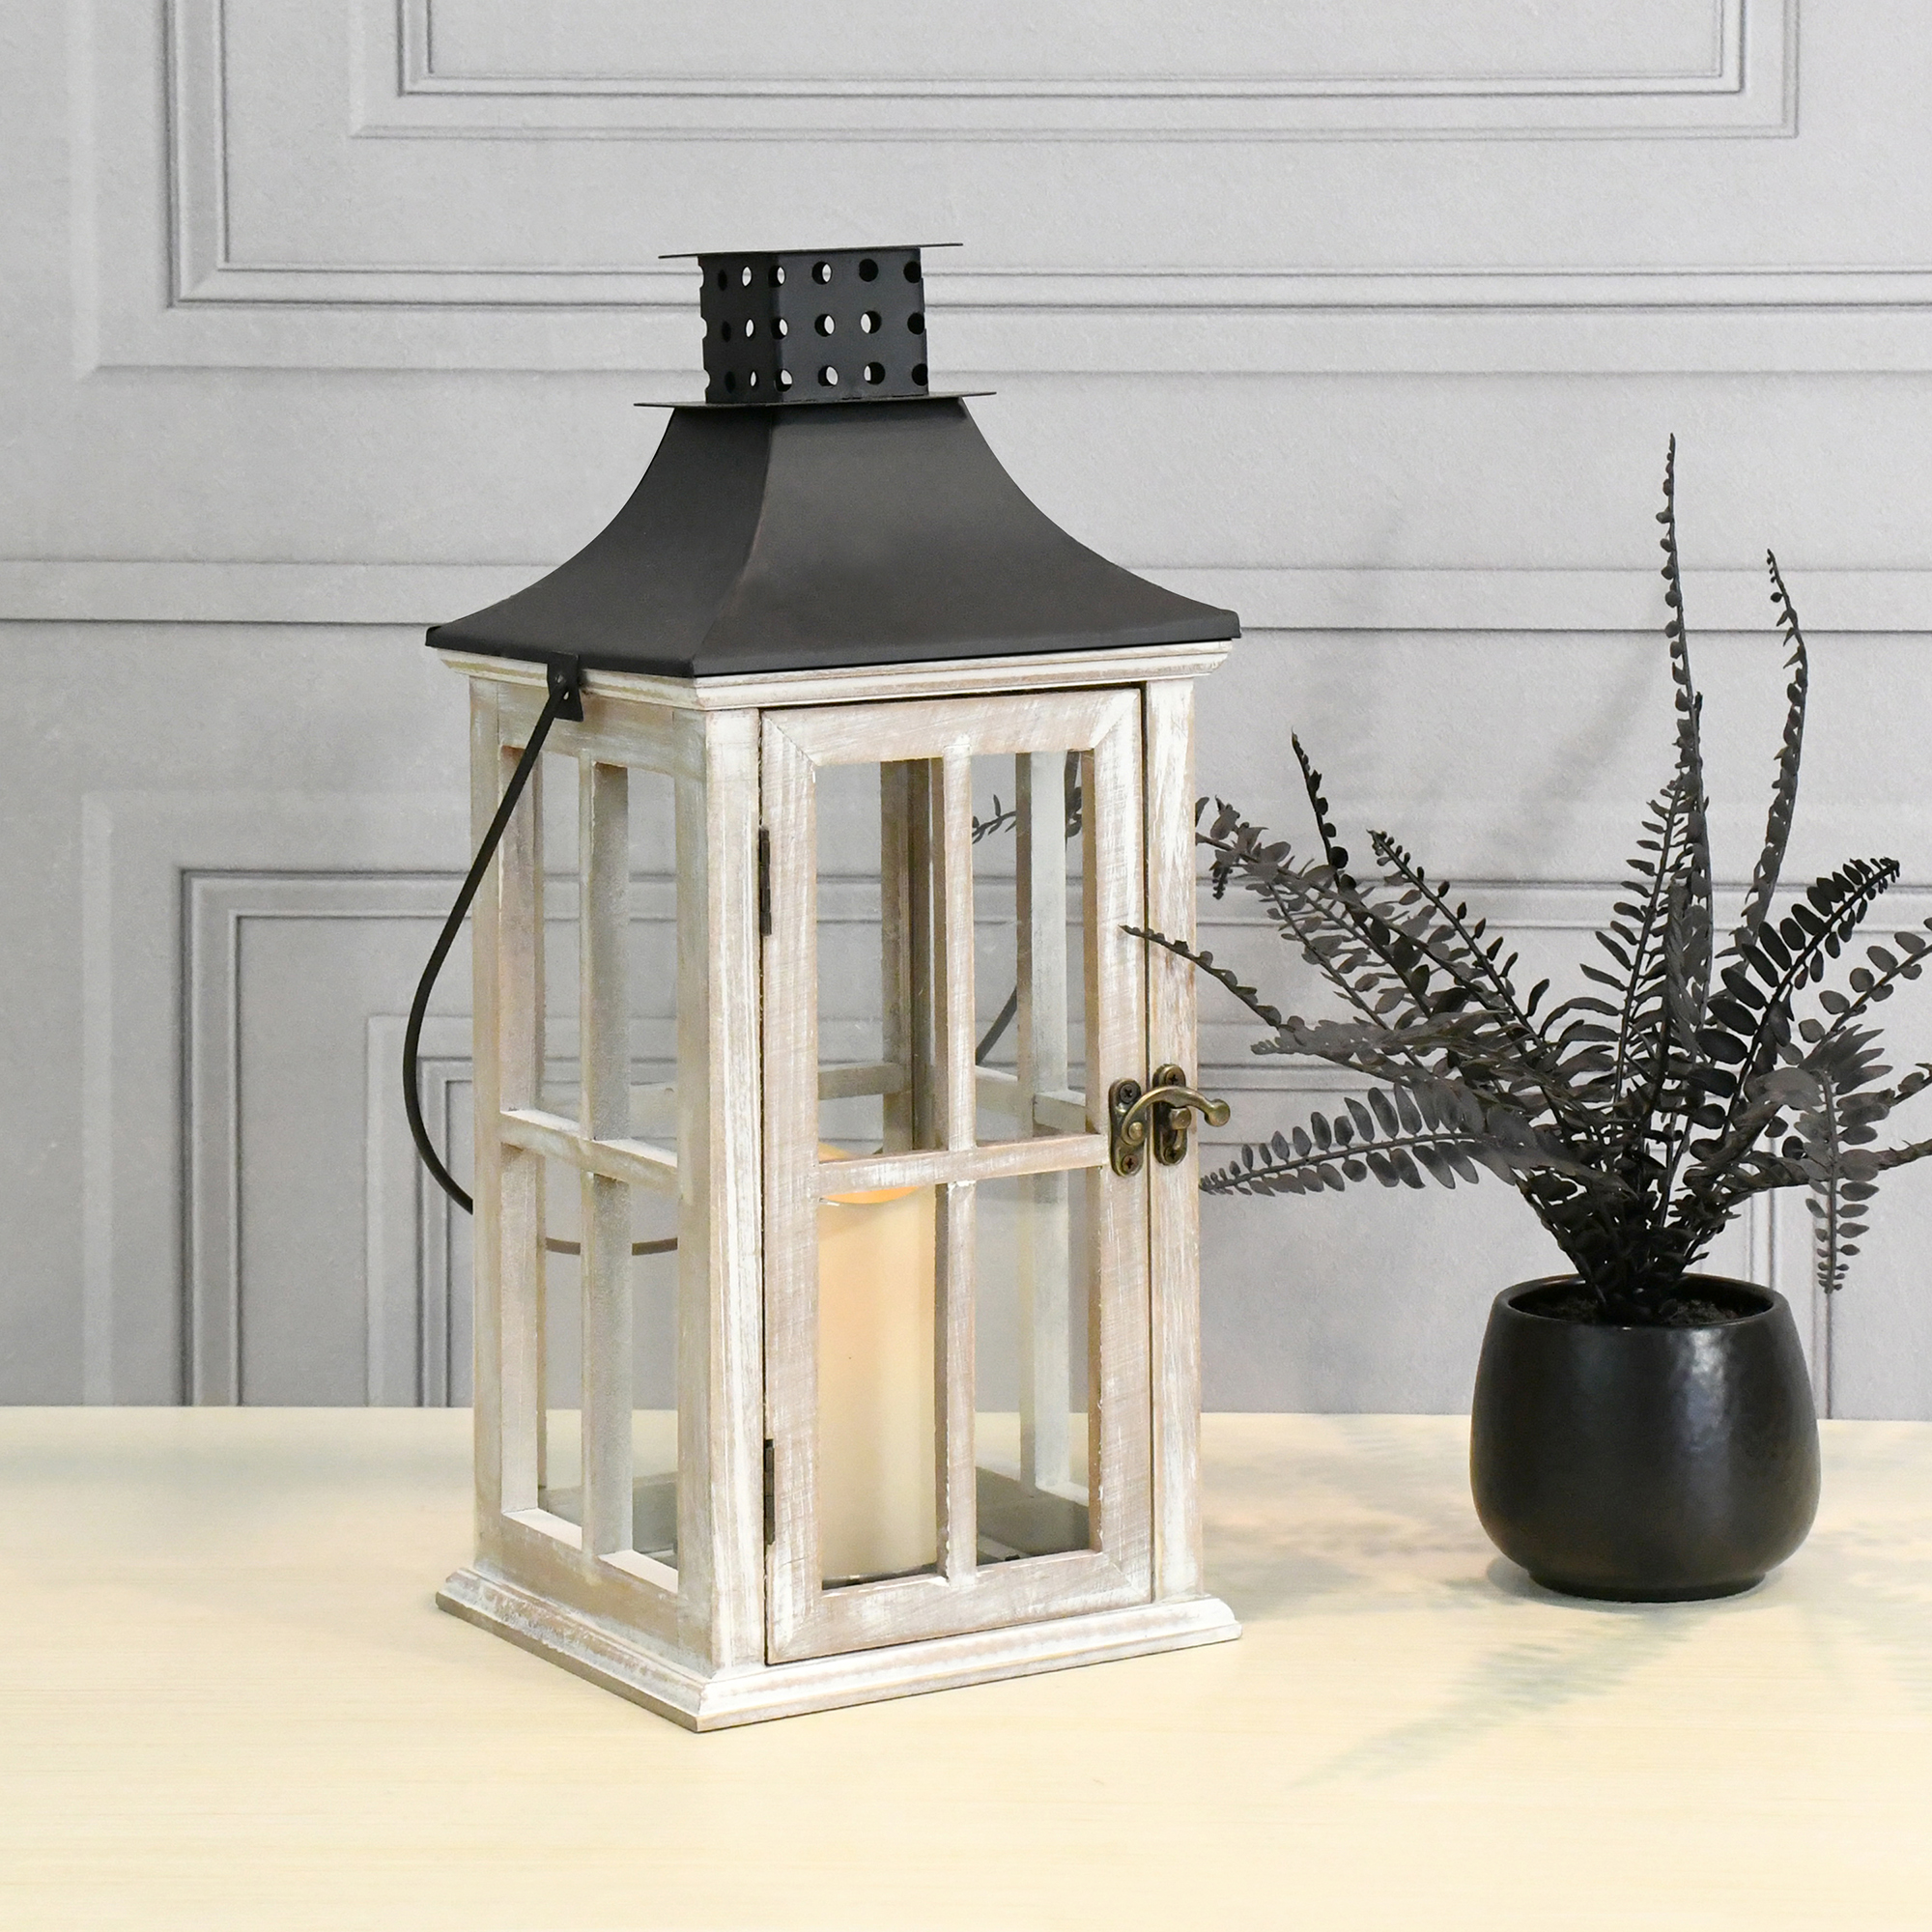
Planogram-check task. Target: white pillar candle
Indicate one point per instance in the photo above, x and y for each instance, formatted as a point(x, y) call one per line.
point(877, 1509)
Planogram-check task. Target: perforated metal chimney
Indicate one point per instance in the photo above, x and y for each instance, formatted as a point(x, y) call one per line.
point(822, 509)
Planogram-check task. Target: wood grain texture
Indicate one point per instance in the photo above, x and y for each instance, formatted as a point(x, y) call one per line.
point(878, 1076)
point(867, 684)
point(486, 1186)
point(708, 1560)
point(637, 1163)
point(864, 1616)
point(517, 968)
point(1061, 1111)
point(955, 1278)
point(1365, 1753)
point(989, 1160)
point(1174, 1276)
point(668, 1686)
point(955, 1243)
point(930, 729)
point(791, 1188)
point(721, 1317)
point(545, 1553)
point(622, 728)
point(1119, 1419)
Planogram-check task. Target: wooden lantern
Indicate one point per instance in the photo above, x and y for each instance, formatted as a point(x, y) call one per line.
point(923, 1286)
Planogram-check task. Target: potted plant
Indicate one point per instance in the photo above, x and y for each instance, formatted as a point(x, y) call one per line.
point(1640, 1430)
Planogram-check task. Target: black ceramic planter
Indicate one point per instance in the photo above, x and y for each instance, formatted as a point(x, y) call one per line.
point(1650, 1464)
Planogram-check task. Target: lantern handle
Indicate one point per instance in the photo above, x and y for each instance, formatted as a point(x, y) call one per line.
point(565, 678)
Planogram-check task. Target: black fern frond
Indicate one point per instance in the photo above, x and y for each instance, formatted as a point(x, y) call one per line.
point(1637, 1112)
point(1696, 964)
point(1785, 789)
point(1003, 820)
point(1833, 1211)
point(1311, 779)
point(1205, 961)
point(1396, 1135)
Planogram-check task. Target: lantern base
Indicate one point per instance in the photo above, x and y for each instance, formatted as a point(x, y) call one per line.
point(702, 1701)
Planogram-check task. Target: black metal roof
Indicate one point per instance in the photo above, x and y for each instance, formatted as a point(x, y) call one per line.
point(824, 536)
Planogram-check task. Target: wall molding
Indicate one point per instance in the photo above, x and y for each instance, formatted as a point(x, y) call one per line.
point(185, 292)
point(107, 590)
point(217, 905)
point(1750, 88)
point(415, 1320)
point(1746, 85)
point(137, 847)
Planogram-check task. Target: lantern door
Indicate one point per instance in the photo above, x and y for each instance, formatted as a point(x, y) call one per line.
point(956, 1283)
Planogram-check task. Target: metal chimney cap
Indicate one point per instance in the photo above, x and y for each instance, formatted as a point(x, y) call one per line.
point(808, 325)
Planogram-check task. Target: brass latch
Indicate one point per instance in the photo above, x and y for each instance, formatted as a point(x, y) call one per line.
point(1170, 1104)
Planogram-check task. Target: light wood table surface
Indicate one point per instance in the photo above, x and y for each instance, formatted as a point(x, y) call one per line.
point(227, 1701)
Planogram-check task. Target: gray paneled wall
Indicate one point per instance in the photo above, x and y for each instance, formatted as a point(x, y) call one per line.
point(322, 322)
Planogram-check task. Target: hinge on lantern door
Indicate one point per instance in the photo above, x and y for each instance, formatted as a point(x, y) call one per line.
point(764, 883)
point(771, 1496)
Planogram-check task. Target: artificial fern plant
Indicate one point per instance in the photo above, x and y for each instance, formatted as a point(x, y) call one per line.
point(1635, 1117)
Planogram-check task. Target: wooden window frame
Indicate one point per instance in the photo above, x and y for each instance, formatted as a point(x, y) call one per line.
point(940, 738)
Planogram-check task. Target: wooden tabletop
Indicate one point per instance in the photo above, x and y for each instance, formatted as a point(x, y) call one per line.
point(226, 1701)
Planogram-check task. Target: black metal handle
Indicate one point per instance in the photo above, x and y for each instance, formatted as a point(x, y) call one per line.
point(565, 679)
point(1167, 1107)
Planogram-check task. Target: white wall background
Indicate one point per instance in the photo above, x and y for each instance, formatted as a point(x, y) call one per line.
point(324, 322)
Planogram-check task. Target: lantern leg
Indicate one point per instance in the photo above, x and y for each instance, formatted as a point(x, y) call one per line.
point(721, 1332)
point(517, 968)
point(1175, 1262)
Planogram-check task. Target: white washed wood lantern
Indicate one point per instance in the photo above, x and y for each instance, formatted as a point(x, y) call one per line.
point(836, 1303)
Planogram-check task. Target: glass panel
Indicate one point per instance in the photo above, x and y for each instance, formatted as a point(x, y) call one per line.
point(654, 1376)
point(653, 1278)
point(559, 1438)
point(877, 1047)
point(637, 956)
point(879, 1057)
point(850, 1003)
point(651, 959)
point(652, 999)
point(449, 1243)
point(877, 1483)
point(556, 778)
point(1031, 1401)
point(875, 1028)
point(1028, 945)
